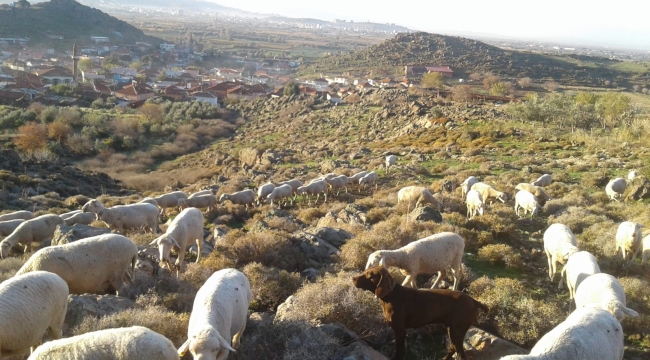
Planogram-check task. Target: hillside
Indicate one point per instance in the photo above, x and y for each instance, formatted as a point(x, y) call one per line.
point(187, 6)
point(462, 55)
point(67, 18)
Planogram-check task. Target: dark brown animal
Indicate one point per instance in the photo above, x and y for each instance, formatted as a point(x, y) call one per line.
point(406, 308)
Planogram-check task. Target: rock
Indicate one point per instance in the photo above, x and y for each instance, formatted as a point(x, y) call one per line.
point(328, 166)
point(259, 319)
point(360, 351)
point(284, 309)
point(426, 213)
point(82, 306)
point(482, 345)
point(206, 249)
point(270, 157)
point(218, 234)
point(339, 332)
point(334, 236)
point(248, 156)
point(259, 226)
point(316, 248)
point(342, 217)
point(310, 274)
point(637, 189)
point(66, 234)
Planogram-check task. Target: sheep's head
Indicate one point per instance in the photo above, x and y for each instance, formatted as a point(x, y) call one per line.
point(224, 197)
point(481, 208)
point(300, 190)
point(376, 259)
point(619, 310)
point(501, 196)
point(165, 245)
point(5, 247)
point(207, 344)
point(92, 206)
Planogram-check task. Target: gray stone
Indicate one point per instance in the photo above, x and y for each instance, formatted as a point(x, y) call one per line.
point(339, 332)
point(334, 236)
point(316, 248)
point(66, 234)
point(482, 345)
point(328, 166)
point(426, 213)
point(360, 351)
point(284, 309)
point(82, 306)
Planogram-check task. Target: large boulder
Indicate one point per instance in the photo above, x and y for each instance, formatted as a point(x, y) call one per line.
point(82, 306)
point(482, 345)
point(317, 250)
point(637, 189)
point(426, 213)
point(336, 237)
point(360, 351)
point(328, 166)
point(248, 156)
point(66, 234)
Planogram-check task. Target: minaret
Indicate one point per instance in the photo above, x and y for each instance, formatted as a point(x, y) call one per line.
point(75, 58)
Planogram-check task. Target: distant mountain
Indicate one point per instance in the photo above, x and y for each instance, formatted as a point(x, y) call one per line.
point(462, 55)
point(67, 18)
point(188, 6)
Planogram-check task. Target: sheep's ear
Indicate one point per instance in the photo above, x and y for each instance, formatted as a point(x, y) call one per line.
point(154, 242)
point(224, 344)
point(174, 242)
point(183, 349)
point(384, 285)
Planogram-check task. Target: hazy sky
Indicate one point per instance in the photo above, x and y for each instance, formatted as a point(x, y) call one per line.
point(620, 23)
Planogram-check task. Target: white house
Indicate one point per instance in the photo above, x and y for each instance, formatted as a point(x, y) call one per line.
point(99, 39)
point(167, 47)
point(87, 76)
point(334, 98)
point(124, 71)
point(207, 97)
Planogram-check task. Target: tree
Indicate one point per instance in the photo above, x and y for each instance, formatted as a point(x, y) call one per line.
point(585, 98)
point(433, 80)
point(490, 80)
point(499, 89)
point(31, 137)
point(58, 131)
point(24, 4)
point(475, 76)
point(136, 65)
point(152, 112)
point(636, 88)
point(612, 107)
point(461, 93)
point(291, 89)
point(85, 64)
point(551, 86)
point(525, 82)
point(645, 91)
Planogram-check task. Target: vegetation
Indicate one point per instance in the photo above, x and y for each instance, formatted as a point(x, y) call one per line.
point(433, 80)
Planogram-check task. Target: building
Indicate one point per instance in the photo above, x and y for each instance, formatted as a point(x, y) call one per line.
point(167, 47)
point(99, 39)
point(55, 75)
point(135, 92)
point(207, 97)
point(423, 69)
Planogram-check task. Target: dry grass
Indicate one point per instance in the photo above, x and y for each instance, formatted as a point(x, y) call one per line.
point(501, 254)
point(270, 286)
point(9, 267)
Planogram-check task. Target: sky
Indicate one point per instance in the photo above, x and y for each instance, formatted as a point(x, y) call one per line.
point(619, 24)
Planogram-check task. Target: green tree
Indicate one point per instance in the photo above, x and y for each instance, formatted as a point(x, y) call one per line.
point(612, 107)
point(136, 65)
point(499, 89)
point(291, 89)
point(24, 4)
point(585, 98)
point(433, 80)
point(85, 64)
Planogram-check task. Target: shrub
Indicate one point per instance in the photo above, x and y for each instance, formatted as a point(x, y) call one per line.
point(636, 292)
point(31, 137)
point(514, 314)
point(58, 131)
point(9, 267)
point(270, 286)
point(501, 254)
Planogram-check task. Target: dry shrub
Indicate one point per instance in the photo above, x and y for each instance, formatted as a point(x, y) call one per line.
point(335, 299)
point(310, 215)
point(576, 218)
point(270, 286)
point(514, 314)
point(284, 224)
point(163, 289)
point(142, 239)
point(168, 323)
point(636, 292)
point(378, 214)
point(76, 201)
point(599, 239)
point(195, 274)
point(501, 254)
point(286, 340)
point(9, 267)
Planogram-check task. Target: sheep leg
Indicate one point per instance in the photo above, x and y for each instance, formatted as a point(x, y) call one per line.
point(237, 337)
point(325, 197)
point(441, 273)
point(407, 281)
point(550, 265)
point(199, 246)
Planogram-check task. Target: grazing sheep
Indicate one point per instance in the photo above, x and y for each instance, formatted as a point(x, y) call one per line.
point(645, 255)
point(586, 334)
point(466, 186)
point(615, 189)
point(526, 201)
point(390, 161)
point(30, 304)
point(264, 191)
point(369, 179)
point(131, 343)
point(430, 255)
point(538, 191)
point(149, 200)
point(628, 239)
point(169, 200)
point(80, 218)
point(354, 179)
point(201, 193)
point(208, 202)
point(94, 265)
point(314, 188)
point(185, 229)
point(38, 229)
point(218, 316)
point(632, 175)
point(475, 204)
point(337, 183)
point(544, 180)
point(325, 177)
point(579, 266)
point(295, 184)
point(279, 193)
point(125, 217)
point(22, 214)
point(559, 244)
point(417, 195)
point(488, 192)
point(69, 214)
point(9, 226)
point(244, 197)
point(603, 291)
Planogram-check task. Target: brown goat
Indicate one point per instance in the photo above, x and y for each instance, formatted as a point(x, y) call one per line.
point(406, 308)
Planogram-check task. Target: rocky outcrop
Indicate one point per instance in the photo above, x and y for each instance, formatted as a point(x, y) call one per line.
point(82, 306)
point(66, 234)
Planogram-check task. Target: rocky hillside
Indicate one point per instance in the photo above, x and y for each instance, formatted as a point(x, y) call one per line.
point(463, 55)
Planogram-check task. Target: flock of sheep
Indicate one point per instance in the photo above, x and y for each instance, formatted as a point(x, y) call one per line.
point(105, 263)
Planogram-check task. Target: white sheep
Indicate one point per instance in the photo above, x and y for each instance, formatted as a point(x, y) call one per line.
point(95, 265)
point(22, 214)
point(125, 217)
point(9, 226)
point(149, 200)
point(279, 193)
point(603, 291)
point(80, 218)
point(466, 186)
point(538, 191)
point(169, 200)
point(645, 255)
point(316, 187)
point(615, 188)
point(369, 179)
point(629, 239)
point(544, 180)
point(263, 191)
point(127, 343)
point(69, 214)
point(475, 204)
point(559, 244)
point(586, 334)
point(244, 197)
point(337, 183)
point(208, 202)
point(579, 266)
point(433, 254)
point(390, 161)
point(488, 192)
point(38, 229)
point(526, 201)
point(414, 196)
point(218, 316)
point(185, 230)
point(632, 175)
point(354, 179)
point(201, 193)
point(295, 184)
point(31, 304)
